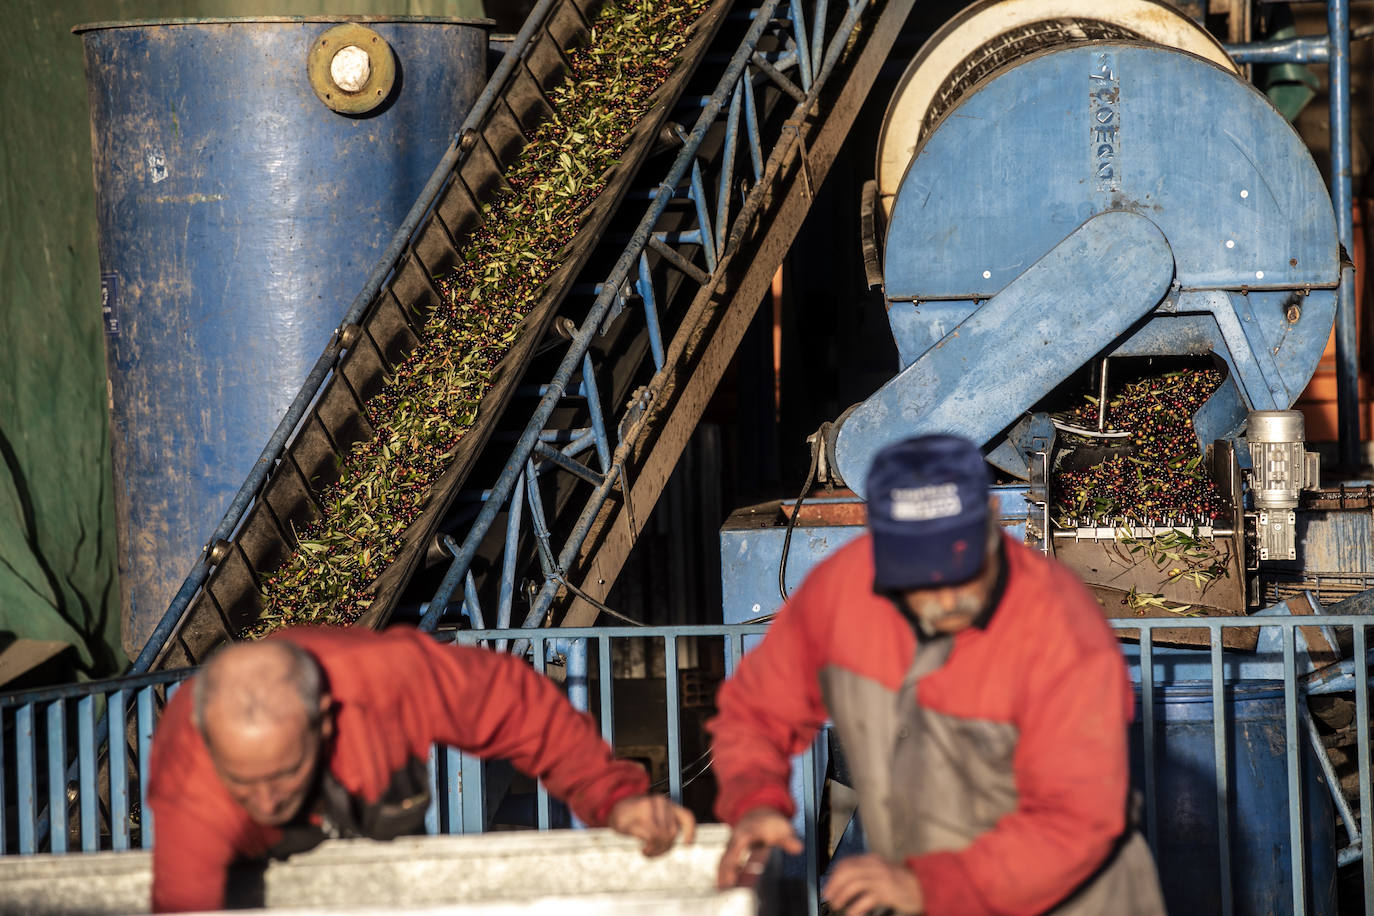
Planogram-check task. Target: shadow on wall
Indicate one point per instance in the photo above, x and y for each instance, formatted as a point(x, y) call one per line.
point(509, 14)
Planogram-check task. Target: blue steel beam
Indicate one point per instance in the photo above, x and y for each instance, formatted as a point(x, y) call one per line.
point(1362, 714)
point(1090, 288)
point(1347, 344)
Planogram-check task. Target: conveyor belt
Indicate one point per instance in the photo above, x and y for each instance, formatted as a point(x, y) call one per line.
point(328, 419)
point(779, 87)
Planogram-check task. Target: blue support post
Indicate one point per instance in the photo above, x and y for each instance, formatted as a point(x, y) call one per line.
point(27, 776)
point(118, 751)
point(89, 800)
point(751, 124)
point(607, 681)
point(57, 774)
point(470, 602)
point(1147, 715)
point(1362, 712)
point(674, 718)
point(147, 721)
point(474, 795)
point(509, 558)
point(453, 787)
point(534, 499)
point(432, 811)
point(541, 794)
point(579, 692)
point(4, 812)
point(727, 166)
point(645, 285)
point(818, 33)
point(735, 644)
point(811, 820)
point(803, 51)
point(705, 236)
point(1331, 779)
point(1347, 341)
point(1223, 779)
point(593, 396)
point(1293, 745)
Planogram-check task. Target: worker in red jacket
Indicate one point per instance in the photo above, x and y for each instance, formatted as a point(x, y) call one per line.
point(316, 733)
point(979, 697)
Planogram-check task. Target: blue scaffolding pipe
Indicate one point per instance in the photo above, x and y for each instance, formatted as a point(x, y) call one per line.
point(1308, 49)
point(1347, 346)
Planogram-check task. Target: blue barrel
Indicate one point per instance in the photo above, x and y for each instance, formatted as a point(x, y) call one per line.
point(1187, 850)
point(242, 204)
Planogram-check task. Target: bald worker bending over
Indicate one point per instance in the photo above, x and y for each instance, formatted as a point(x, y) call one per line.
point(317, 733)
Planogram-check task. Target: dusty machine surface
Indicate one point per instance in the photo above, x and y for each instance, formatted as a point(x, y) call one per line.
point(560, 871)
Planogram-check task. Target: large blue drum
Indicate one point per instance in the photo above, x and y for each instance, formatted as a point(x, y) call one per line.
point(248, 175)
point(1187, 849)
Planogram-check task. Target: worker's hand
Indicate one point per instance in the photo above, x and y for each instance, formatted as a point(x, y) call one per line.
point(653, 820)
point(760, 829)
point(860, 884)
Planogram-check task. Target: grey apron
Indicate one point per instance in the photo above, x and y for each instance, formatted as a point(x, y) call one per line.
point(929, 782)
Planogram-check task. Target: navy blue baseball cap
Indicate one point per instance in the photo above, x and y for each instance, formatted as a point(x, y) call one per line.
point(928, 511)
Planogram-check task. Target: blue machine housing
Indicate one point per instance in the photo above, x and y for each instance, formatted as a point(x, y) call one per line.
point(236, 213)
point(1033, 158)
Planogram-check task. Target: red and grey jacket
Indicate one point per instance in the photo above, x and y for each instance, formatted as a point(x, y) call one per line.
point(993, 763)
point(394, 694)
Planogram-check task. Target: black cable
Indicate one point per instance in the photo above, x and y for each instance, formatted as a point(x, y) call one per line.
point(597, 604)
point(705, 756)
point(817, 443)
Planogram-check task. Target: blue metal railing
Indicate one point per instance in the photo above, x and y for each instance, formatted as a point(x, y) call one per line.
point(109, 778)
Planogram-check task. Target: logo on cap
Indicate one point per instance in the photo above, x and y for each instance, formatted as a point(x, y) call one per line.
point(923, 504)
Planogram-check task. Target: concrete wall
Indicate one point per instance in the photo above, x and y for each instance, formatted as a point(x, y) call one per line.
point(564, 871)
